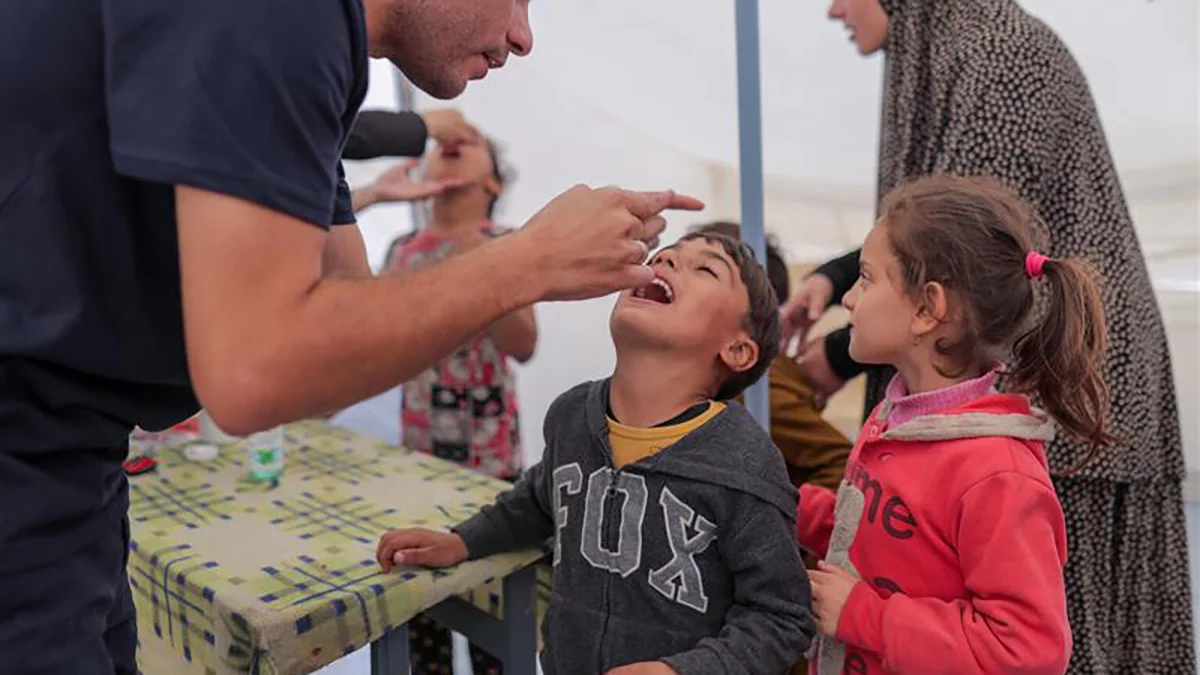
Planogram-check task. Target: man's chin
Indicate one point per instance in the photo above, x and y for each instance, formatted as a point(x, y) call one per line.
point(444, 86)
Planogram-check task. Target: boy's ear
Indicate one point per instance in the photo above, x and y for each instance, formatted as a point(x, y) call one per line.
point(740, 354)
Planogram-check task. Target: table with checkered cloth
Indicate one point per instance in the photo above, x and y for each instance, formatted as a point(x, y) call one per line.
point(233, 576)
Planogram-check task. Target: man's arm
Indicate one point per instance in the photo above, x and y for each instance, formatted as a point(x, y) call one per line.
point(270, 339)
point(345, 253)
point(389, 133)
point(386, 133)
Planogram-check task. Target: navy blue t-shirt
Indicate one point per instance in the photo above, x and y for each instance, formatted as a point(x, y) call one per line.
point(105, 105)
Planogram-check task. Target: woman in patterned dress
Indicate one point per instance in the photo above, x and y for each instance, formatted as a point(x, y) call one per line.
point(980, 87)
point(464, 409)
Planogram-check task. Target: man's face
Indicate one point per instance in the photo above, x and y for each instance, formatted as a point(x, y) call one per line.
point(440, 45)
point(697, 303)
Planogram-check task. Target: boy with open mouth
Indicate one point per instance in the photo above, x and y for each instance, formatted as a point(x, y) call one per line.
point(672, 512)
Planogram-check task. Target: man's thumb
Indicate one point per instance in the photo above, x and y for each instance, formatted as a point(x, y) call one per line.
point(637, 276)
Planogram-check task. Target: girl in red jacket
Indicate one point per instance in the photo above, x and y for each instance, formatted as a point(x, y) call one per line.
point(943, 548)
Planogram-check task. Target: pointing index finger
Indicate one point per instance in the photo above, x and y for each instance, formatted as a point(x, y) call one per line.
point(648, 204)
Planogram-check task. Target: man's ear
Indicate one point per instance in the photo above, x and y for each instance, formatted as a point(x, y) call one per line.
point(740, 354)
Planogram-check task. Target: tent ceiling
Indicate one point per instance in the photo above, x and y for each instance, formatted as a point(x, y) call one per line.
point(668, 68)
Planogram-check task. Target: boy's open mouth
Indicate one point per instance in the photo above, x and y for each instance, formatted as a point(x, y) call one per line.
point(657, 290)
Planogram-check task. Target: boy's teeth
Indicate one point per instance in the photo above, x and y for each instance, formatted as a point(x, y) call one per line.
point(666, 289)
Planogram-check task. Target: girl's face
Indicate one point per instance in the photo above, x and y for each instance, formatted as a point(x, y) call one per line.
point(883, 317)
point(865, 20)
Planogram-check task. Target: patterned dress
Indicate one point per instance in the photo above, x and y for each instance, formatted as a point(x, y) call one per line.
point(464, 409)
point(980, 87)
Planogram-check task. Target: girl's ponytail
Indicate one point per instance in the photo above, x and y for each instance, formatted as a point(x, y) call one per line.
point(1060, 360)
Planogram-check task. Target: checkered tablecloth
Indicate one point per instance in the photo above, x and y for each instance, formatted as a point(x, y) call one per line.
point(232, 576)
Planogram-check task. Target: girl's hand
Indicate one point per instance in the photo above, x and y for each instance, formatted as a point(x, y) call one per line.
point(644, 668)
point(831, 587)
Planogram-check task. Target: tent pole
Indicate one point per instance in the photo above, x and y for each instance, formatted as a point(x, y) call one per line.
point(750, 142)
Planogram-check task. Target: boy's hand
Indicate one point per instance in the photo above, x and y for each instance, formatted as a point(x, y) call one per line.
point(419, 546)
point(644, 668)
point(831, 587)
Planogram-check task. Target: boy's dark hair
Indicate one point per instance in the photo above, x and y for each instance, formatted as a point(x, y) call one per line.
point(762, 318)
point(777, 270)
point(972, 236)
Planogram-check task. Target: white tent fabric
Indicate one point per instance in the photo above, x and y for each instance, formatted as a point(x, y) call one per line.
point(643, 95)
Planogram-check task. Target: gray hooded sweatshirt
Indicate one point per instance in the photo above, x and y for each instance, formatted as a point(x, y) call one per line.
point(687, 557)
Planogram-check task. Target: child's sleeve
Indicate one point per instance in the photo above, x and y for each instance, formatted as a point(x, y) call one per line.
point(519, 519)
point(1011, 545)
point(814, 518)
point(769, 626)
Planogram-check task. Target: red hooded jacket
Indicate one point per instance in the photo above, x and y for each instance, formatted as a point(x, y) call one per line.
point(948, 516)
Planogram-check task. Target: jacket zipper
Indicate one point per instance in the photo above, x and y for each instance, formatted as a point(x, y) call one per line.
point(606, 535)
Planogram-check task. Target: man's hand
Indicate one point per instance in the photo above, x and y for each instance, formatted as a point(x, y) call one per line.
point(448, 126)
point(644, 668)
point(831, 587)
point(591, 243)
point(806, 306)
point(816, 371)
point(420, 547)
point(270, 339)
point(397, 185)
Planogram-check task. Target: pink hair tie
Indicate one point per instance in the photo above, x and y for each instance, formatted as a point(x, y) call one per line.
point(1034, 262)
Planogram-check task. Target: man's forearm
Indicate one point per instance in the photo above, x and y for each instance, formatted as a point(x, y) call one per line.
point(348, 339)
point(516, 334)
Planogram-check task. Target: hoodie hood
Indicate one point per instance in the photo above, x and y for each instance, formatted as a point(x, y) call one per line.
point(994, 415)
point(730, 450)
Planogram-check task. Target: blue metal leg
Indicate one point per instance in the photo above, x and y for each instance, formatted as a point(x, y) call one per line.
point(514, 640)
point(520, 622)
point(389, 654)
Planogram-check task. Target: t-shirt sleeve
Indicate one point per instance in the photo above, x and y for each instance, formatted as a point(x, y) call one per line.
point(248, 99)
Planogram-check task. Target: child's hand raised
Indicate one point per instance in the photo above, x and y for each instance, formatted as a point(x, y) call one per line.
point(644, 668)
point(831, 587)
point(419, 546)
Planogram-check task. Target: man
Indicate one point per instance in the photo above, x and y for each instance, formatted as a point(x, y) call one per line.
point(170, 179)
